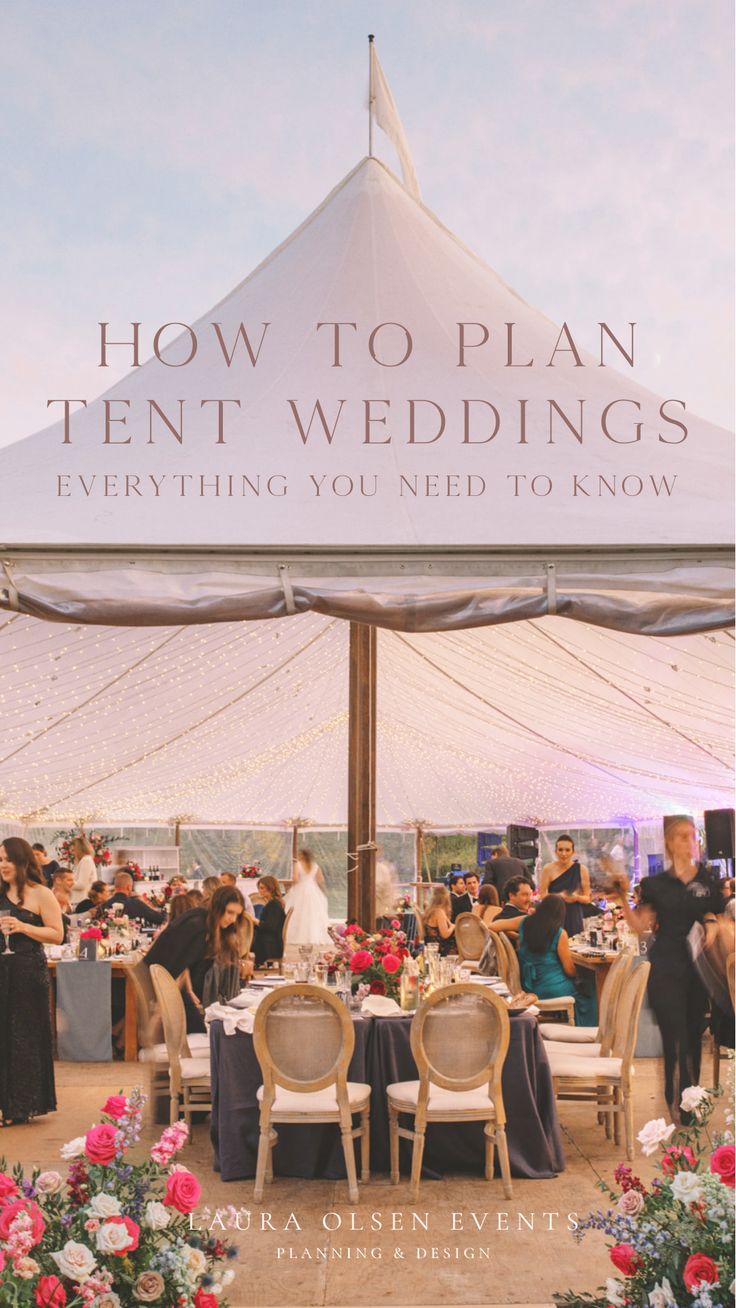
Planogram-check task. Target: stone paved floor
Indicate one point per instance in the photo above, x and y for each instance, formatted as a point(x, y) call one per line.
point(525, 1266)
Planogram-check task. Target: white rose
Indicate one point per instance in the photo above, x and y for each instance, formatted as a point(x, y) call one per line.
point(692, 1097)
point(688, 1187)
point(193, 1262)
point(613, 1293)
point(104, 1205)
point(49, 1183)
point(228, 1276)
point(156, 1217)
point(662, 1296)
point(654, 1134)
point(177, 1167)
point(75, 1261)
point(108, 1300)
point(113, 1238)
point(74, 1148)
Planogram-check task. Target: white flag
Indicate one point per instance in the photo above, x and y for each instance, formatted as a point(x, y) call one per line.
point(386, 115)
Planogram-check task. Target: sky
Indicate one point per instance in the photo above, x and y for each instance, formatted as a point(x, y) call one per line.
point(154, 154)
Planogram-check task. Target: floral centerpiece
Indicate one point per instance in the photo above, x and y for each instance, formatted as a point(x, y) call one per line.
point(100, 846)
point(114, 1233)
point(673, 1243)
point(374, 960)
point(250, 870)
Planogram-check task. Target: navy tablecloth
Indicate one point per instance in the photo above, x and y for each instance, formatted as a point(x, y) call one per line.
point(383, 1055)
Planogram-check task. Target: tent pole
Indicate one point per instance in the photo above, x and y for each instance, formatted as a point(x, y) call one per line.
point(370, 96)
point(362, 777)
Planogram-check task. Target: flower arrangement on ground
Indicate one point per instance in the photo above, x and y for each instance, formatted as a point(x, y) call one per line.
point(375, 960)
point(100, 846)
point(114, 1233)
point(674, 1241)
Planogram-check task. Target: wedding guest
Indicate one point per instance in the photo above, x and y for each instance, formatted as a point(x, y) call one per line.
point(180, 904)
point(30, 918)
point(518, 896)
point(178, 884)
point(228, 879)
point(46, 864)
point(672, 901)
point(134, 907)
point(210, 886)
point(61, 887)
point(460, 900)
point(472, 884)
point(202, 941)
point(437, 920)
point(568, 877)
point(99, 893)
point(502, 868)
point(268, 935)
point(547, 969)
point(85, 871)
point(488, 907)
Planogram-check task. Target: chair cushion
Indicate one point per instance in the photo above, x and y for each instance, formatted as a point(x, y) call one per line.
point(198, 1040)
point(195, 1069)
point(158, 1053)
point(318, 1101)
point(577, 1035)
point(582, 1067)
point(404, 1094)
point(549, 1005)
point(575, 1051)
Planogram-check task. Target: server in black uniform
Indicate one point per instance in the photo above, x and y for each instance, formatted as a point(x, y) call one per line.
point(670, 903)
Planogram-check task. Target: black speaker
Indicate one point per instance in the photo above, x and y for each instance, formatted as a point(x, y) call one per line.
point(523, 843)
point(719, 824)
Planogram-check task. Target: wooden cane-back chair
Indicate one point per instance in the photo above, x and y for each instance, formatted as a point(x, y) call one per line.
point(470, 937)
point(509, 963)
point(304, 1038)
point(595, 1039)
point(189, 1078)
point(459, 1039)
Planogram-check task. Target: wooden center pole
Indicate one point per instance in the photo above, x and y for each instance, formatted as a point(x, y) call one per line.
point(362, 776)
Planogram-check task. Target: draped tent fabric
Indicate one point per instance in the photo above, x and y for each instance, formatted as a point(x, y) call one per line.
point(247, 723)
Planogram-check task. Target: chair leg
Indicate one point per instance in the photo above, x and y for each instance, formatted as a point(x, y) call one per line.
point(174, 1109)
point(365, 1146)
point(272, 1140)
point(716, 1064)
point(348, 1148)
point(393, 1132)
point(490, 1151)
point(503, 1158)
point(617, 1116)
point(416, 1162)
point(264, 1149)
point(629, 1123)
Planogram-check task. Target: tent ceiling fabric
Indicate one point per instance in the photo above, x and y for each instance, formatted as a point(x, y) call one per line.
point(247, 724)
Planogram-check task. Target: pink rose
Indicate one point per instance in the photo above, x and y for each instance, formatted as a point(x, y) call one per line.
point(722, 1163)
point(49, 1293)
point(361, 959)
point(625, 1259)
point(183, 1192)
point(631, 1203)
point(391, 964)
point(678, 1158)
point(699, 1267)
point(100, 1143)
point(10, 1211)
point(377, 988)
point(7, 1185)
point(116, 1106)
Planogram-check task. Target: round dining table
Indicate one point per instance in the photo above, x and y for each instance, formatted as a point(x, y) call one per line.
point(382, 1055)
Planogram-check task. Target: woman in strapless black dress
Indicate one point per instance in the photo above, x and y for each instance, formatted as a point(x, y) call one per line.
point(29, 918)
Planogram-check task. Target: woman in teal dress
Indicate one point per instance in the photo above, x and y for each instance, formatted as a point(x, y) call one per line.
point(547, 969)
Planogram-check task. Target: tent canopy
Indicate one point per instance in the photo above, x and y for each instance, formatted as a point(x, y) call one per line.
point(559, 487)
point(248, 724)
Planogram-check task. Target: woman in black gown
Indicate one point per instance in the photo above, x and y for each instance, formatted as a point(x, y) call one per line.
point(30, 918)
point(203, 949)
point(268, 936)
point(568, 877)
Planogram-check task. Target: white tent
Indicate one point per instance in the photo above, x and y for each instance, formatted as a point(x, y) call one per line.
point(587, 501)
point(146, 696)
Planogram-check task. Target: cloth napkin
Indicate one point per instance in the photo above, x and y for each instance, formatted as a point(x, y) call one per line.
point(380, 1006)
point(238, 1018)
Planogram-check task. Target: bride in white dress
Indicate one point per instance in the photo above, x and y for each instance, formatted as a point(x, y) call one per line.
point(308, 898)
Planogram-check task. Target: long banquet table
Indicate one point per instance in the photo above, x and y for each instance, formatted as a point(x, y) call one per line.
point(383, 1055)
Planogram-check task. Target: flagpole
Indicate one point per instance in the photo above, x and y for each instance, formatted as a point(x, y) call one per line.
point(370, 95)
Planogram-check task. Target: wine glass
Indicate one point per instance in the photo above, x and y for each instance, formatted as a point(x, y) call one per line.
point(6, 935)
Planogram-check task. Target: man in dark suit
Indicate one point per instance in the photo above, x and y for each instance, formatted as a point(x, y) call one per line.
point(460, 899)
point(133, 907)
point(502, 868)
